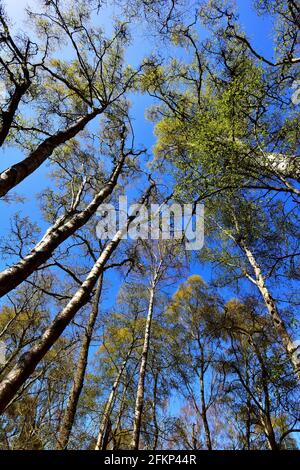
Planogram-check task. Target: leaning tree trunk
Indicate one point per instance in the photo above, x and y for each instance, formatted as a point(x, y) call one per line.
point(141, 383)
point(278, 323)
point(29, 360)
point(110, 403)
point(70, 412)
point(13, 175)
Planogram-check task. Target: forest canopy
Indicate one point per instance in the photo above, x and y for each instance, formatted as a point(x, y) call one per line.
point(146, 342)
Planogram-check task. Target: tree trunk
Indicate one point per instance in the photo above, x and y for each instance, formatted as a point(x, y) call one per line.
point(248, 417)
point(269, 432)
point(194, 439)
point(8, 116)
point(13, 175)
point(266, 411)
point(141, 383)
point(110, 403)
point(70, 412)
point(63, 228)
point(117, 437)
point(204, 414)
point(272, 308)
point(156, 428)
point(202, 395)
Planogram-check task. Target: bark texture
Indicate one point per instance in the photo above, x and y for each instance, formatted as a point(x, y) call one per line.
point(141, 382)
point(278, 323)
point(28, 361)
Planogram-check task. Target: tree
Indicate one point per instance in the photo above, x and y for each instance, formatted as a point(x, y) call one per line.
point(69, 415)
point(102, 81)
point(262, 375)
point(27, 363)
point(109, 343)
point(220, 155)
point(160, 260)
point(192, 311)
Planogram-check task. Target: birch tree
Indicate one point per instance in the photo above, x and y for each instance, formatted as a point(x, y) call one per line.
point(161, 260)
point(191, 311)
point(262, 373)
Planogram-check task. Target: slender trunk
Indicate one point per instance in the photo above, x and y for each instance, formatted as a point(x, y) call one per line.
point(106, 435)
point(202, 395)
point(13, 175)
point(194, 438)
point(141, 383)
point(269, 432)
point(248, 424)
point(248, 418)
point(272, 308)
point(156, 432)
point(110, 403)
point(266, 424)
point(204, 414)
point(117, 440)
point(63, 228)
point(70, 411)
point(266, 412)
